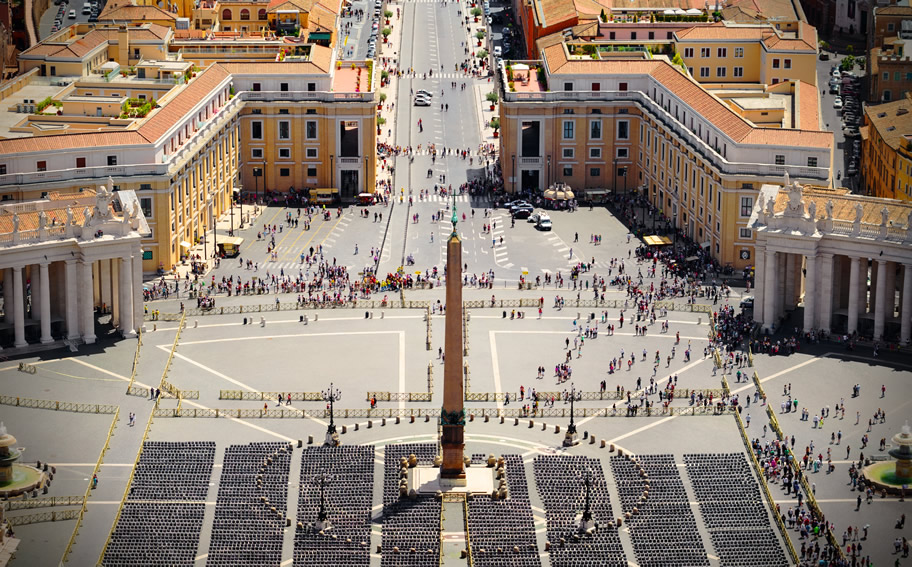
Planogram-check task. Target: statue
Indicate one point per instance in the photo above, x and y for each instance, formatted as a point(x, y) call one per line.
point(86, 216)
point(909, 221)
point(69, 219)
point(102, 211)
point(812, 210)
point(795, 204)
point(771, 206)
point(859, 212)
point(786, 182)
point(884, 215)
point(15, 223)
point(829, 209)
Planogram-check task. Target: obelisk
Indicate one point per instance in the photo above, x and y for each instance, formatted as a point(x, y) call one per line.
point(452, 416)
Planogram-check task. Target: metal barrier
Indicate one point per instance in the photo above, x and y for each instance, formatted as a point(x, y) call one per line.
point(294, 306)
point(57, 405)
point(46, 502)
point(244, 395)
point(54, 516)
point(135, 361)
point(88, 492)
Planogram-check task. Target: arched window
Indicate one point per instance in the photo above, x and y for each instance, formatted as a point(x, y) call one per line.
point(262, 14)
point(245, 14)
point(226, 14)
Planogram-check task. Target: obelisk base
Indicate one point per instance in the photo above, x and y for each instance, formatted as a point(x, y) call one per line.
point(571, 439)
point(332, 439)
point(453, 466)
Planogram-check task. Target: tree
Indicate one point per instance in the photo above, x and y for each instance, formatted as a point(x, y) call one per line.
point(495, 123)
point(604, 16)
point(386, 32)
point(382, 98)
point(480, 35)
point(387, 14)
point(476, 11)
point(482, 53)
point(492, 97)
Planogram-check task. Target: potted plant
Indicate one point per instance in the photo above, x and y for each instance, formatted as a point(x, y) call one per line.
point(380, 122)
point(482, 54)
point(479, 36)
point(386, 33)
point(384, 77)
point(495, 123)
point(476, 12)
point(387, 14)
point(492, 98)
point(382, 100)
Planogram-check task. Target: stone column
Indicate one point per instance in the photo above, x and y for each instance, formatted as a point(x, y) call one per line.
point(126, 297)
point(791, 283)
point(890, 296)
point(880, 308)
point(905, 328)
point(759, 285)
point(18, 309)
point(72, 301)
point(825, 303)
point(106, 280)
point(8, 295)
point(87, 299)
point(44, 299)
point(37, 282)
point(137, 289)
point(854, 292)
point(810, 293)
point(769, 293)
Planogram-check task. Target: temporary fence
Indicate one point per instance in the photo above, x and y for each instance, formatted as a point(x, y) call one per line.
point(244, 395)
point(54, 516)
point(135, 361)
point(168, 386)
point(57, 405)
point(81, 515)
point(427, 320)
point(43, 502)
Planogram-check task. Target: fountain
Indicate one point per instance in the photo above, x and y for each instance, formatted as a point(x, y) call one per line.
point(894, 475)
point(15, 479)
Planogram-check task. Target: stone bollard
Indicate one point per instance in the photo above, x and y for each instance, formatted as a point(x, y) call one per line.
point(427, 418)
point(370, 423)
point(487, 418)
point(620, 452)
point(544, 426)
point(592, 440)
point(310, 439)
point(195, 324)
point(300, 443)
point(411, 419)
point(585, 435)
point(603, 443)
point(611, 449)
point(397, 420)
point(699, 320)
point(262, 321)
point(382, 314)
point(383, 421)
point(515, 421)
point(344, 429)
point(531, 423)
point(316, 317)
point(471, 417)
point(501, 419)
point(357, 427)
point(557, 428)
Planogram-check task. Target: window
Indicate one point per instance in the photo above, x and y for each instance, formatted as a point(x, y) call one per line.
point(722, 52)
point(596, 87)
point(622, 153)
point(612, 36)
point(704, 52)
point(567, 153)
point(226, 14)
point(284, 130)
point(633, 35)
point(261, 14)
point(739, 52)
point(886, 76)
point(812, 162)
point(80, 162)
point(256, 86)
point(145, 204)
point(704, 72)
point(256, 130)
point(780, 159)
point(744, 232)
point(622, 87)
point(595, 153)
point(2, 169)
point(595, 171)
point(595, 130)
point(787, 63)
point(256, 153)
point(652, 35)
point(775, 63)
point(285, 153)
point(890, 27)
point(283, 87)
point(283, 111)
point(311, 171)
point(145, 186)
point(256, 111)
point(568, 171)
point(688, 52)
point(568, 86)
point(311, 153)
point(284, 172)
point(311, 87)
point(720, 71)
point(738, 72)
point(310, 130)
point(112, 160)
point(41, 166)
point(311, 111)
point(623, 130)
point(245, 14)
point(568, 129)
point(747, 205)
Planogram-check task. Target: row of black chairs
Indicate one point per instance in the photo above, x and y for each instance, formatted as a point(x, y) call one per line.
point(733, 510)
point(347, 472)
point(560, 479)
point(411, 527)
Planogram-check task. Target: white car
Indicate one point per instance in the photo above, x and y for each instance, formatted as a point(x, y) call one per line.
point(424, 93)
point(72, 15)
point(422, 101)
point(836, 72)
point(837, 103)
point(544, 223)
point(498, 51)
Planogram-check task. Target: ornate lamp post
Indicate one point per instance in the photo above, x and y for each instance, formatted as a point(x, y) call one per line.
point(331, 395)
point(323, 523)
point(586, 522)
point(571, 438)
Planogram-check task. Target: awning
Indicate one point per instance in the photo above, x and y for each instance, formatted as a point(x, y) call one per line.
point(231, 240)
point(184, 244)
point(656, 240)
point(520, 67)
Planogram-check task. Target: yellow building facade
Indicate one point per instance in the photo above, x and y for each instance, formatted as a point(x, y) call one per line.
point(886, 148)
point(642, 127)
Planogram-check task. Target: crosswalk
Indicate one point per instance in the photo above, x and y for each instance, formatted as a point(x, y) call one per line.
point(427, 152)
point(477, 201)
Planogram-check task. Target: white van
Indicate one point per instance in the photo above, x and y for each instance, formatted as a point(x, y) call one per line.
point(498, 51)
point(86, 8)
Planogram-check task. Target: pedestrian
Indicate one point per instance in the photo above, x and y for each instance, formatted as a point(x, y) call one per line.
point(94, 481)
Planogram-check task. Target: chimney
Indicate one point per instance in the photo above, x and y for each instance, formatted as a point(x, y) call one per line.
point(123, 45)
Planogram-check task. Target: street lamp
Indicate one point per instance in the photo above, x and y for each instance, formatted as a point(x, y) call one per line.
point(332, 171)
point(257, 173)
point(586, 522)
point(548, 173)
point(205, 254)
point(323, 523)
point(331, 395)
point(514, 173)
point(571, 438)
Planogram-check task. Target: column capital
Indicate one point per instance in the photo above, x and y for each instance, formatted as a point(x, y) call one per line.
point(825, 255)
point(16, 268)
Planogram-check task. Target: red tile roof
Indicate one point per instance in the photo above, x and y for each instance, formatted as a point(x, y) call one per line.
point(163, 119)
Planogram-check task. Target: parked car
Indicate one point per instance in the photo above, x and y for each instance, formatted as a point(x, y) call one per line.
point(544, 223)
point(534, 217)
point(422, 92)
point(498, 51)
point(72, 15)
point(522, 212)
point(824, 56)
point(422, 101)
point(837, 103)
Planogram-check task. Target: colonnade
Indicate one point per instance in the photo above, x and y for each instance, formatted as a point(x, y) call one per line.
point(842, 293)
point(55, 299)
